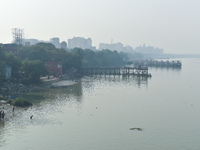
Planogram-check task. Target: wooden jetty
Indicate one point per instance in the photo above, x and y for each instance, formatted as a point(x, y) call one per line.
point(139, 71)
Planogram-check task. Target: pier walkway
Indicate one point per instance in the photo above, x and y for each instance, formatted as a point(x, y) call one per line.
point(139, 71)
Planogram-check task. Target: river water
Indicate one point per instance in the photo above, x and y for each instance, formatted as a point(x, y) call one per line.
point(98, 112)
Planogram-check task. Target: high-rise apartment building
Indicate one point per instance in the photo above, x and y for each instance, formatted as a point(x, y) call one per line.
point(56, 42)
point(80, 42)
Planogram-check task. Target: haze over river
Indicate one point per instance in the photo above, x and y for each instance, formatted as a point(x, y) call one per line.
point(98, 112)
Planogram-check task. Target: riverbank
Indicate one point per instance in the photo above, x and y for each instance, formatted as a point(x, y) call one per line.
point(11, 89)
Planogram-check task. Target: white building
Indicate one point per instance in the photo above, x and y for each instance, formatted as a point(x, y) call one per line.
point(31, 41)
point(80, 42)
point(56, 42)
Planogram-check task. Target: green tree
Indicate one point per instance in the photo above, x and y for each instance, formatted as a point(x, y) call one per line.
point(21, 102)
point(76, 58)
point(90, 59)
point(14, 62)
point(110, 58)
point(2, 76)
point(1, 54)
point(33, 69)
point(41, 51)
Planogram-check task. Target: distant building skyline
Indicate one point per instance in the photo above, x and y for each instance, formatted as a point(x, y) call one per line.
point(149, 50)
point(119, 47)
point(80, 42)
point(55, 41)
point(76, 42)
point(172, 25)
point(83, 43)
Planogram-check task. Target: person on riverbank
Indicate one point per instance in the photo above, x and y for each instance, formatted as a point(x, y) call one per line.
point(2, 115)
point(13, 109)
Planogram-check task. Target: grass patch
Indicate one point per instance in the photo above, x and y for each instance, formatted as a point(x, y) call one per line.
point(2, 98)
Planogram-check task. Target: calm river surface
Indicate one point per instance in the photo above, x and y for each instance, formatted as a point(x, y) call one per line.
point(98, 112)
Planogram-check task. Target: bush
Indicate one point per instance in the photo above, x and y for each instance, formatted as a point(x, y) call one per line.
point(21, 102)
point(2, 98)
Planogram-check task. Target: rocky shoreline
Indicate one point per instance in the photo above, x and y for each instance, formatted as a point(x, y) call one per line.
point(11, 89)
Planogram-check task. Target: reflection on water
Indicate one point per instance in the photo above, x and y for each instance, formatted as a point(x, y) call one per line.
point(48, 101)
point(166, 69)
point(99, 112)
point(51, 93)
point(119, 79)
point(2, 124)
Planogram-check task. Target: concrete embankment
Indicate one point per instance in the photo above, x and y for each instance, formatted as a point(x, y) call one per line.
point(56, 82)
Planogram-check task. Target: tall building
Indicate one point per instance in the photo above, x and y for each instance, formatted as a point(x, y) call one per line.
point(56, 42)
point(80, 42)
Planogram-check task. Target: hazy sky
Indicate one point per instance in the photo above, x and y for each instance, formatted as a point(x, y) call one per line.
point(173, 25)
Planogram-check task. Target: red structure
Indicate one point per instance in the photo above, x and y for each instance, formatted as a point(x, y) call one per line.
point(54, 68)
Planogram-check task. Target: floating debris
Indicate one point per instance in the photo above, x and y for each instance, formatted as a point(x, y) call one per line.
point(139, 129)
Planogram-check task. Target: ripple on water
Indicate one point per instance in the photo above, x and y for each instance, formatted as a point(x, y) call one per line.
point(42, 115)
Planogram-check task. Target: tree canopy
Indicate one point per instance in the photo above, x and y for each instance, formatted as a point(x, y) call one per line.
point(31, 59)
point(33, 69)
point(102, 58)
